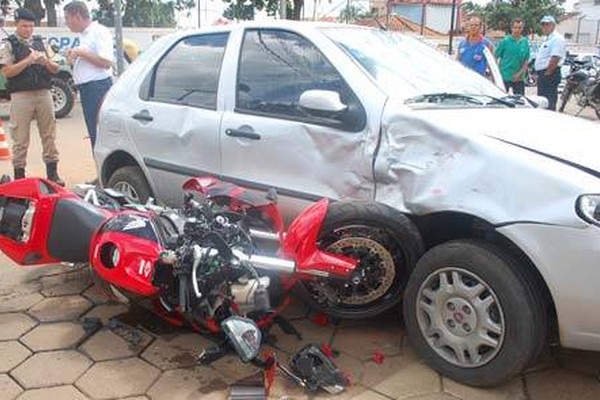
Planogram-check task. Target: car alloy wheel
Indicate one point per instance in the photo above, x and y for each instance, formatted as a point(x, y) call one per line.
point(460, 317)
point(127, 190)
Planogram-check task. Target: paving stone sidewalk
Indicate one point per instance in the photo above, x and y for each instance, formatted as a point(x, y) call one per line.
point(47, 353)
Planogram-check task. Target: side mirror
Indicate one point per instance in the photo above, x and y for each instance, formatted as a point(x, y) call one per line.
point(537, 101)
point(325, 101)
point(244, 335)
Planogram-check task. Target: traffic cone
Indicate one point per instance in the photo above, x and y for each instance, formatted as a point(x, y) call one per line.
point(4, 149)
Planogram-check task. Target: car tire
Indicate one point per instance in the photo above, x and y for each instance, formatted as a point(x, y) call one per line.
point(490, 310)
point(388, 246)
point(132, 183)
point(63, 98)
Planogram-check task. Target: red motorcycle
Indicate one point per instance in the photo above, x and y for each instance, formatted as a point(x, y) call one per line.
point(200, 264)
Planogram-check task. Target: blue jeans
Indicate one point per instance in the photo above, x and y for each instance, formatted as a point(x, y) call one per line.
point(548, 87)
point(517, 87)
point(91, 94)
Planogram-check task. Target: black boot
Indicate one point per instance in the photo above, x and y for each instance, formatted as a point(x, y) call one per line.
point(52, 175)
point(19, 173)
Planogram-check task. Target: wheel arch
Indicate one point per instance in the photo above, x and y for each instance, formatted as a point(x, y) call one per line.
point(442, 227)
point(116, 160)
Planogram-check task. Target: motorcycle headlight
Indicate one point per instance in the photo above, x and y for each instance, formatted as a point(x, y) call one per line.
point(244, 335)
point(587, 207)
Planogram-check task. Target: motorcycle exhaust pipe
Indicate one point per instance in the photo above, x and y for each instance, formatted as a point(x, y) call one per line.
point(255, 233)
point(267, 263)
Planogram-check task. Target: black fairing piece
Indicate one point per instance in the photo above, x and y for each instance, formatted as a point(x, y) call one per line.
point(73, 225)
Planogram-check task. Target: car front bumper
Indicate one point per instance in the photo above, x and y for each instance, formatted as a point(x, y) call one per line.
point(568, 259)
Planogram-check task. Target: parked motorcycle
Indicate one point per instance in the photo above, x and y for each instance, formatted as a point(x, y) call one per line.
point(201, 264)
point(531, 76)
point(583, 84)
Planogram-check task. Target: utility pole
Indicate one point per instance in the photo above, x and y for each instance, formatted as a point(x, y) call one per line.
point(119, 37)
point(283, 9)
point(451, 35)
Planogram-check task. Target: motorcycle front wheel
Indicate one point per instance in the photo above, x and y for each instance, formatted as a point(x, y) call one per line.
point(564, 98)
point(387, 246)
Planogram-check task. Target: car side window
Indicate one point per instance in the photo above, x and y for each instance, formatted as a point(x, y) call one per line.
point(276, 67)
point(189, 72)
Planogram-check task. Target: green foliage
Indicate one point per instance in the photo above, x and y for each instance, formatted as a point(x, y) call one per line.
point(142, 13)
point(498, 14)
point(245, 9)
point(351, 13)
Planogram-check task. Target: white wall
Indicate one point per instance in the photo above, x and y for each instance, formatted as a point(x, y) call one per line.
point(64, 38)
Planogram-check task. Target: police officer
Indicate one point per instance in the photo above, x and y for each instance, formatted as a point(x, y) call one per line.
point(28, 68)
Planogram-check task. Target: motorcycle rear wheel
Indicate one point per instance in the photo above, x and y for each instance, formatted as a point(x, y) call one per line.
point(387, 245)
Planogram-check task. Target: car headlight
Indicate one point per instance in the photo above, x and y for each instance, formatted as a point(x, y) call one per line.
point(587, 207)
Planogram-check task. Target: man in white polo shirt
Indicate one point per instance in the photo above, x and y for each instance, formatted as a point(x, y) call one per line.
point(550, 55)
point(92, 62)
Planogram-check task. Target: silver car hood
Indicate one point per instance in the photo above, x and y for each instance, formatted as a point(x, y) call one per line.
point(502, 165)
point(561, 136)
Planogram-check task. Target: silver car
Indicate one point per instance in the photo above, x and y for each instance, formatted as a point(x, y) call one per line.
point(478, 210)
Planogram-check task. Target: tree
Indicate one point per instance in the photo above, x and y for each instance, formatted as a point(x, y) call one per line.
point(246, 9)
point(351, 13)
point(36, 7)
point(498, 14)
point(143, 13)
point(51, 11)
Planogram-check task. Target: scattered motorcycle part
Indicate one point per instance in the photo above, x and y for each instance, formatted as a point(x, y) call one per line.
point(251, 388)
point(244, 335)
point(316, 370)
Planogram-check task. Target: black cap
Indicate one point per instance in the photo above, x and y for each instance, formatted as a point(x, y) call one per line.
point(24, 13)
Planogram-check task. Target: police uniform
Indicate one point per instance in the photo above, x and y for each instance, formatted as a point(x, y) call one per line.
point(30, 99)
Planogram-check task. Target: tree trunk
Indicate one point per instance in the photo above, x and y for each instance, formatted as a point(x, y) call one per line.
point(297, 9)
point(36, 7)
point(50, 12)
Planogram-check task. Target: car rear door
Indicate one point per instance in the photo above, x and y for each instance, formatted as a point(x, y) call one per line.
point(176, 124)
point(268, 141)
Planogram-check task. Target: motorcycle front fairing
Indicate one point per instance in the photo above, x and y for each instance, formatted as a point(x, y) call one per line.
point(42, 223)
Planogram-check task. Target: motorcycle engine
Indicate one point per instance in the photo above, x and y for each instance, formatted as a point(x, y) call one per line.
point(201, 278)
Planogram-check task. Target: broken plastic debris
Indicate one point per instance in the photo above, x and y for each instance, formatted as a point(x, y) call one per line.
point(320, 319)
point(378, 357)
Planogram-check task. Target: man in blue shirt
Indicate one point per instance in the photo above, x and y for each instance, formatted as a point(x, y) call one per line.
point(471, 49)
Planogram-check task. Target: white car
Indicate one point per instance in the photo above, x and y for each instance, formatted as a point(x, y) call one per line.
point(492, 234)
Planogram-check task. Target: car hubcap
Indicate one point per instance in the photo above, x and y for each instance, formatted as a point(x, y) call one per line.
point(374, 275)
point(460, 317)
point(128, 191)
point(59, 98)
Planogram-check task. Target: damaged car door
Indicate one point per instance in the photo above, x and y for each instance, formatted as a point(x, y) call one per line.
point(291, 99)
point(176, 123)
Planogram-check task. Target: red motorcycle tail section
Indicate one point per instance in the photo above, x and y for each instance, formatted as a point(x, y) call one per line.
point(29, 232)
point(238, 198)
point(300, 243)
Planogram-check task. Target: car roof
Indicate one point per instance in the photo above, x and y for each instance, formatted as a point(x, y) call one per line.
point(275, 24)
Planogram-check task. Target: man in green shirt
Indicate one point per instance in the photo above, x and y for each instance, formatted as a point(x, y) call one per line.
point(513, 56)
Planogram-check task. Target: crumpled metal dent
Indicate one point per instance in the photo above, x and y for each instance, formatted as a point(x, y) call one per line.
point(425, 167)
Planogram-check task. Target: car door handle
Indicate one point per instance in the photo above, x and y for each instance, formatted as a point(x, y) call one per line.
point(143, 115)
point(242, 134)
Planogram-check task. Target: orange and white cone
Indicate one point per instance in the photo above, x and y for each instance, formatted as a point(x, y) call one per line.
point(4, 149)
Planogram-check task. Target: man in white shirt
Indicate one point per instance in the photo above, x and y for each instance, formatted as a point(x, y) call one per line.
point(92, 62)
point(550, 55)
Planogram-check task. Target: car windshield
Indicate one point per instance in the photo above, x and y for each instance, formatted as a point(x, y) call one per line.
point(407, 68)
